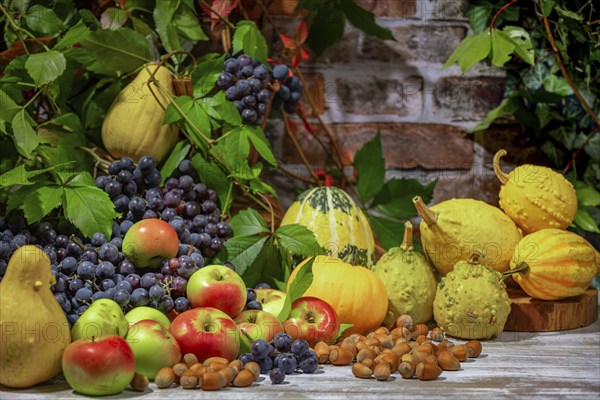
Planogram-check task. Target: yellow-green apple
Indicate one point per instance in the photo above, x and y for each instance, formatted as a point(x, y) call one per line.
point(219, 287)
point(139, 313)
point(272, 300)
point(98, 366)
point(313, 320)
point(150, 241)
point(256, 324)
point(206, 332)
point(104, 317)
point(153, 346)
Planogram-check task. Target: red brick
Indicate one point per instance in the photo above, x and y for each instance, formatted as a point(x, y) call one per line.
point(467, 98)
point(405, 145)
point(433, 43)
point(390, 8)
point(282, 7)
point(452, 184)
point(447, 10)
point(316, 90)
point(373, 95)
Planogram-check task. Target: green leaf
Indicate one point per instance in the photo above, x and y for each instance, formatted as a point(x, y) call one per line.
point(298, 239)
point(364, 20)
point(74, 35)
point(20, 176)
point(235, 147)
point(17, 197)
point(558, 85)
point(388, 232)
point(507, 107)
point(326, 28)
point(298, 287)
point(163, 19)
point(260, 142)
point(89, 209)
point(395, 197)
point(39, 203)
point(221, 108)
point(43, 21)
point(249, 39)
point(8, 107)
point(25, 138)
point(46, 66)
point(68, 121)
point(568, 14)
point(199, 118)
point(113, 18)
point(522, 41)
point(470, 51)
point(370, 165)
point(212, 176)
point(177, 155)
point(122, 50)
point(588, 196)
point(248, 222)
point(593, 148)
point(188, 25)
point(547, 7)
point(242, 251)
point(206, 73)
point(552, 152)
point(502, 48)
point(584, 220)
point(267, 267)
point(172, 114)
point(343, 328)
point(478, 17)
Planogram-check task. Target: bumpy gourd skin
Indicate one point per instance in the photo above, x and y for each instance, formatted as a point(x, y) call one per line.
point(465, 225)
point(471, 302)
point(133, 126)
point(410, 283)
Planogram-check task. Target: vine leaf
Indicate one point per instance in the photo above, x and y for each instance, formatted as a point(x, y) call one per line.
point(37, 204)
point(26, 140)
point(177, 155)
point(502, 47)
point(522, 42)
point(470, 51)
point(88, 208)
point(297, 288)
point(249, 39)
point(370, 165)
point(122, 50)
point(298, 239)
point(248, 222)
point(46, 66)
point(364, 20)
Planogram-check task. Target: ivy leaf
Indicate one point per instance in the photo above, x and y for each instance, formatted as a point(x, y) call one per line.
point(388, 232)
point(326, 27)
point(502, 48)
point(370, 165)
point(113, 18)
point(584, 220)
point(39, 203)
point(478, 16)
point(46, 66)
point(552, 152)
point(26, 140)
point(89, 209)
point(297, 288)
point(568, 14)
point(163, 19)
point(558, 85)
point(213, 177)
point(74, 35)
point(395, 197)
point(177, 155)
point(242, 251)
point(235, 146)
point(249, 39)
point(267, 267)
point(470, 51)
point(298, 239)
point(122, 50)
point(43, 21)
point(221, 108)
point(364, 20)
point(248, 222)
point(187, 24)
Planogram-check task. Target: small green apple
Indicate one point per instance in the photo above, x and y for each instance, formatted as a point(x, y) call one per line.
point(104, 317)
point(153, 346)
point(272, 300)
point(139, 313)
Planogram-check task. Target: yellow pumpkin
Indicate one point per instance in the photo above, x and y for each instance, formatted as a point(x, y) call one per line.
point(536, 197)
point(133, 126)
point(356, 293)
point(552, 264)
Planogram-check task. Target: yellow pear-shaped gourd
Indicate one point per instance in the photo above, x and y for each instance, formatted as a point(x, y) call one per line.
point(133, 126)
point(453, 229)
point(536, 197)
point(409, 279)
point(35, 330)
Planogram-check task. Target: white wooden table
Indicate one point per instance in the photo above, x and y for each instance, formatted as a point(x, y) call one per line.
point(517, 365)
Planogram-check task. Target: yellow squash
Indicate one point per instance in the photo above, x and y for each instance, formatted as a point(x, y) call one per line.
point(356, 293)
point(133, 125)
point(553, 264)
point(536, 197)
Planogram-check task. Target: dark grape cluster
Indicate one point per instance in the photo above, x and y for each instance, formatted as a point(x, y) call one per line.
point(282, 357)
point(252, 302)
point(246, 82)
point(290, 89)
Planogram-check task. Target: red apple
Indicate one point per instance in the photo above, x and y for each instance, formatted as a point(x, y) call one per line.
point(313, 320)
point(256, 324)
point(153, 347)
point(219, 287)
point(206, 332)
point(149, 241)
point(272, 300)
point(98, 366)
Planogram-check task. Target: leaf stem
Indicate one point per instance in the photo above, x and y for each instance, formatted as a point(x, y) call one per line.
point(271, 211)
point(14, 27)
point(500, 11)
point(226, 22)
point(294, 140)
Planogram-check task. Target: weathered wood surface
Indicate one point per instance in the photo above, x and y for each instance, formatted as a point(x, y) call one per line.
point(532, 315)
point(549, 365)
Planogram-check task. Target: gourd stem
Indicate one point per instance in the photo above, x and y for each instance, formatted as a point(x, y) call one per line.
point(429, 217)
point(521, 268)
point(476, 257)
point(501, 175)
point(407, 242)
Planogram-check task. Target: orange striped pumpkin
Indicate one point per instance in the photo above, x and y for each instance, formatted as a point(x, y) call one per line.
point(552, 264)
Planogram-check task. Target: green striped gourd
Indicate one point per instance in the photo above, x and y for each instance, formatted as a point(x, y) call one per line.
point(339, 225)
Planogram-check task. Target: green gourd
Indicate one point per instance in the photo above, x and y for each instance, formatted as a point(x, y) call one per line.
point(35, 330)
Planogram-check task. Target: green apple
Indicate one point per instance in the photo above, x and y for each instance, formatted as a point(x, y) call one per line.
point(272, 300)
point(153, 346)
point(140, 313)
point(104, 317)
point(256, 324)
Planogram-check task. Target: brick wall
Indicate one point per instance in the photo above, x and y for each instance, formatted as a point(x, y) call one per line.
point(424, 112)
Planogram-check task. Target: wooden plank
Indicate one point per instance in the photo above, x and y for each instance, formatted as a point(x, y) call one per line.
point(533, 315)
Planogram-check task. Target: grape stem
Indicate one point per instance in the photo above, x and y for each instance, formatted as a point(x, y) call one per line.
point(294, 140)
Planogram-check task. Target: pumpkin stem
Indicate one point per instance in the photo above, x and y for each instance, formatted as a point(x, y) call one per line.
point(476, 257)
point(407, 242)
point(521, 268)
point(428, 216)
point(501, 175)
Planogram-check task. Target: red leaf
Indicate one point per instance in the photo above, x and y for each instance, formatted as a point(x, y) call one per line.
point(301, 33)
point(300, 55)
point(223, 8)
point(288, 41)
